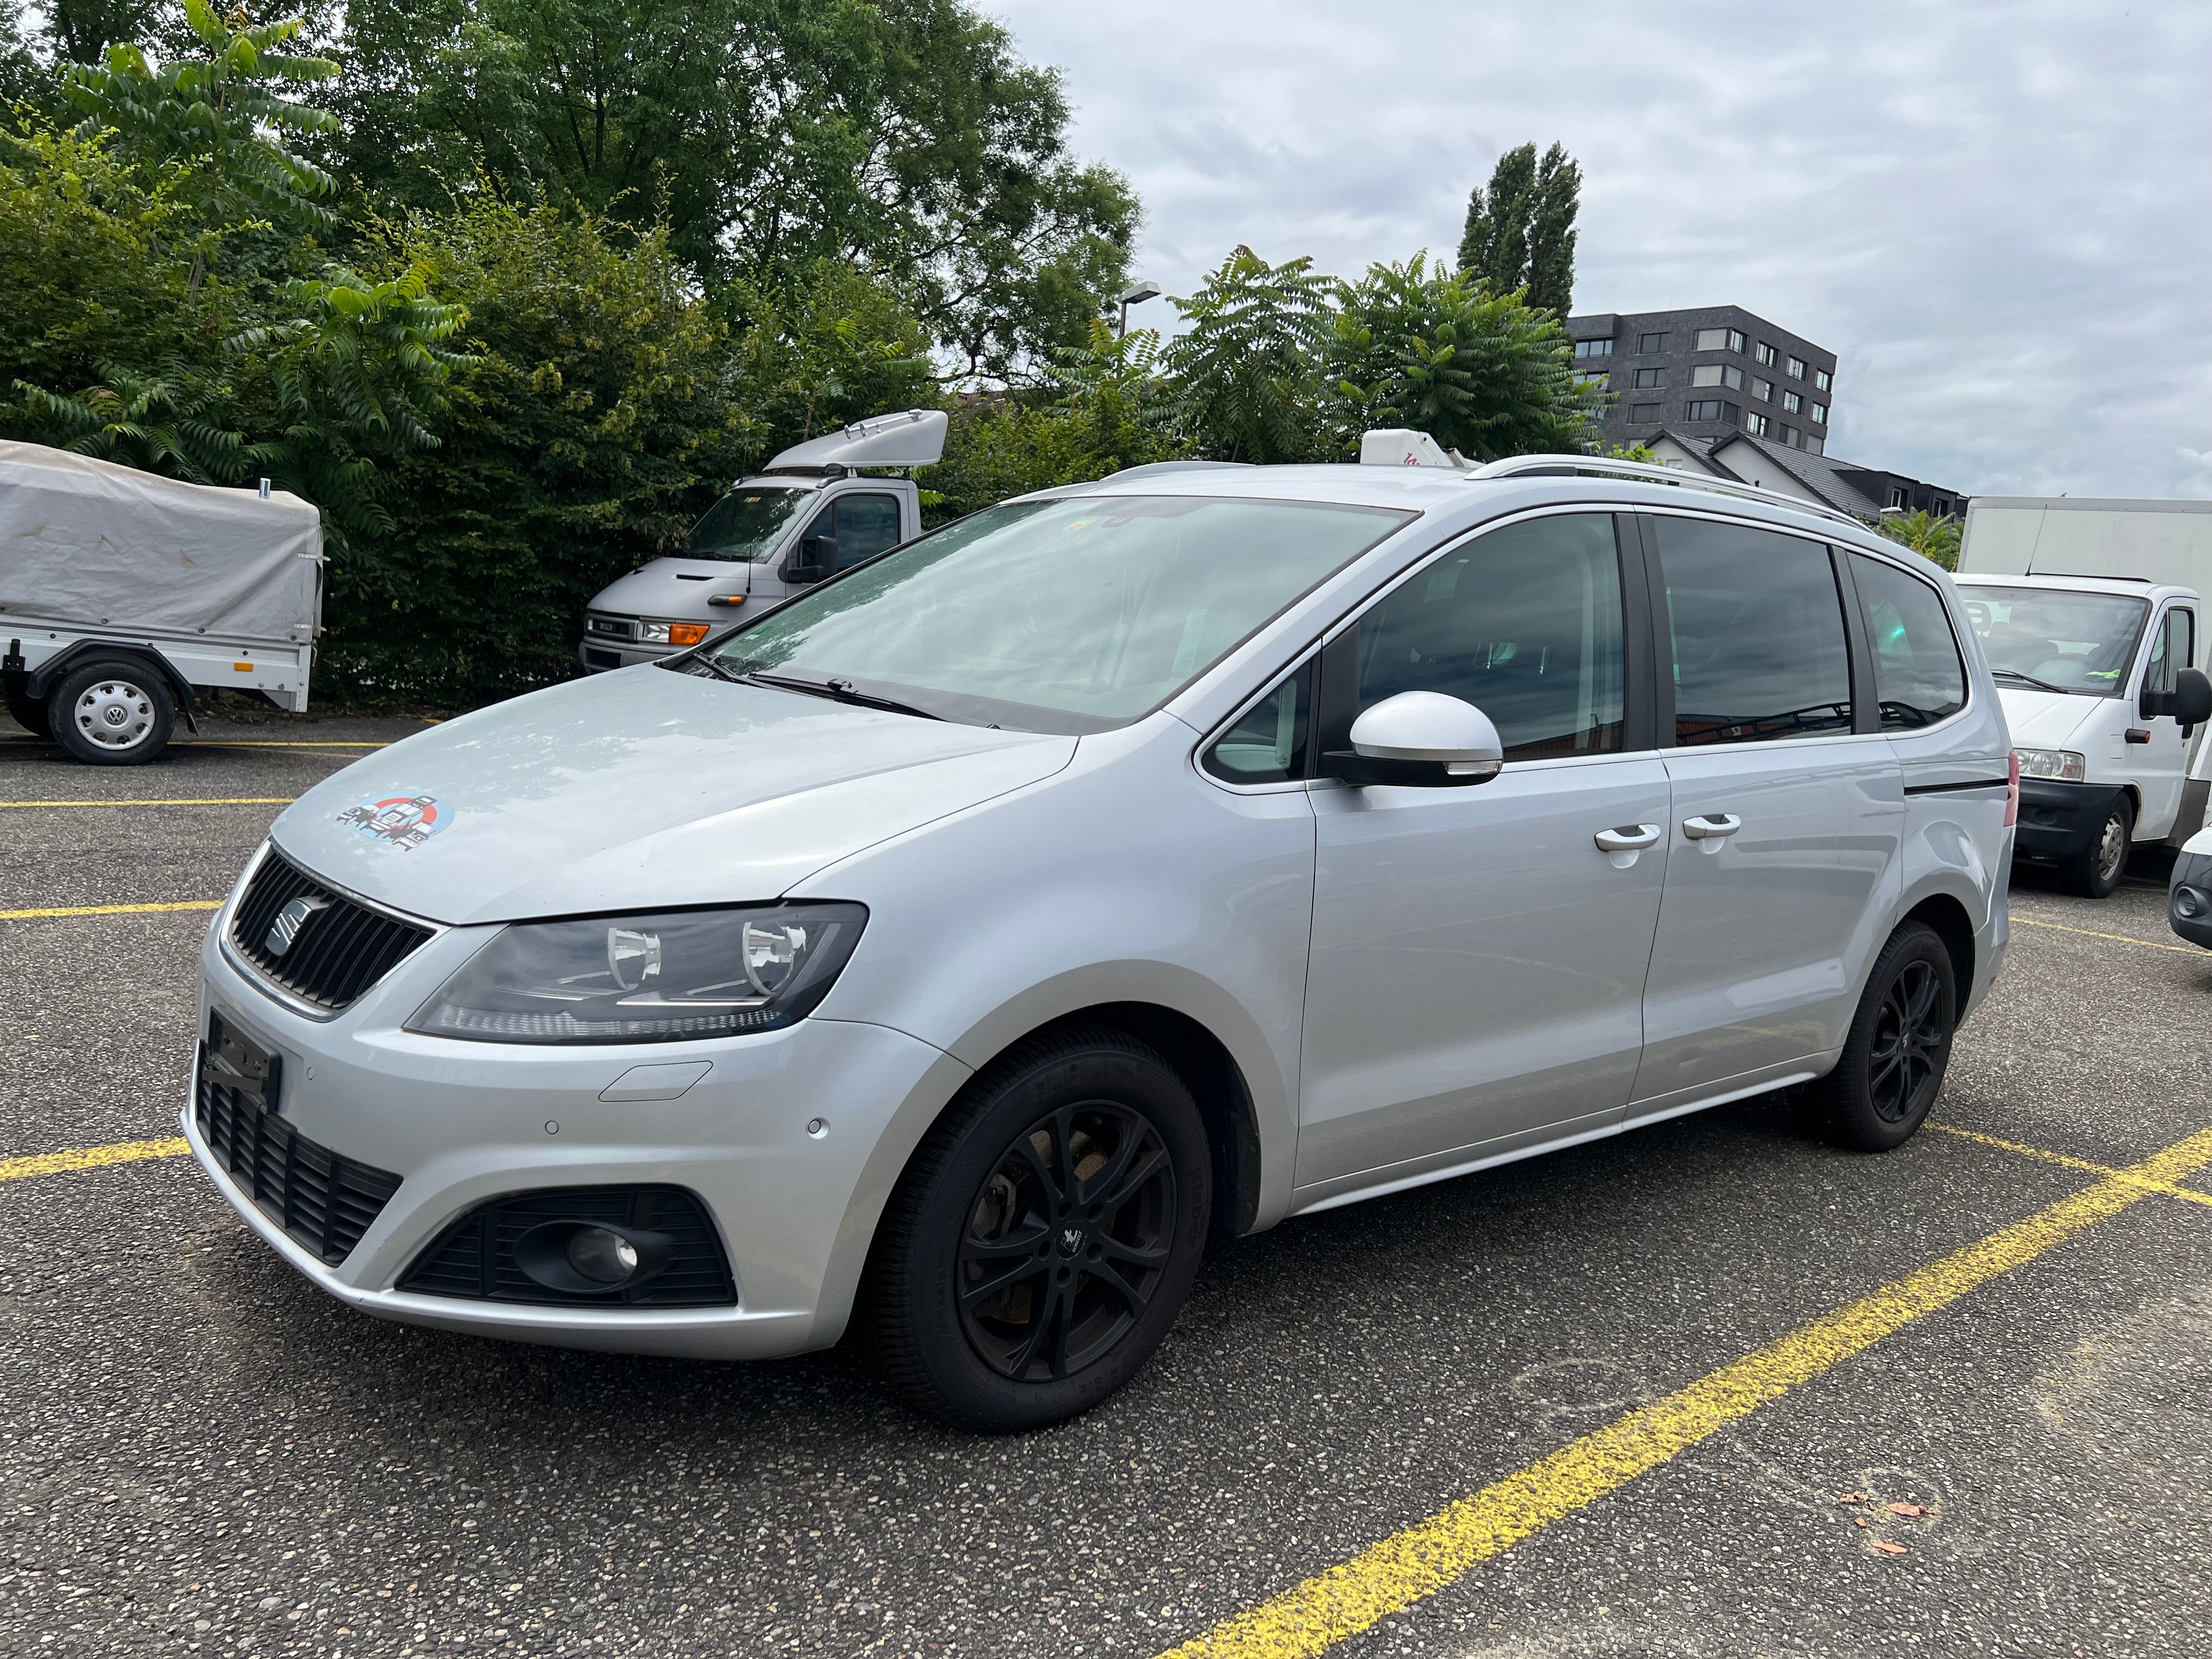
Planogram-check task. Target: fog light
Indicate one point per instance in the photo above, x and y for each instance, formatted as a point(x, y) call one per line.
point(2189, 903)
point(601, 1255)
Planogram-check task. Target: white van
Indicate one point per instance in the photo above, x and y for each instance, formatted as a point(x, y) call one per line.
point(2100, 688)
point(1122, 865)
point(812, 513)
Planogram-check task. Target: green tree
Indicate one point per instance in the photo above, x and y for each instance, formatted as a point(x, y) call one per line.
point(1520, 232)
point(1484, 372)
point(1246, 373)
point(1934, 537)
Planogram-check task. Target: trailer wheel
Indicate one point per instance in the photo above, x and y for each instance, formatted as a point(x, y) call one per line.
point(30, 714)
point(111, 713)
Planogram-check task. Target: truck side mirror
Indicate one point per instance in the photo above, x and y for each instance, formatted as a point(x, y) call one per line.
point(2189, 703)
point(1422, 738)
point(816, 555)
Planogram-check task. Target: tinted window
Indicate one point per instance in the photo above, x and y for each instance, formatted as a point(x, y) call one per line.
point(1268, 744)
point(1758, 634)
point(1524, 623)
point(863, 525)
point(1919, 676)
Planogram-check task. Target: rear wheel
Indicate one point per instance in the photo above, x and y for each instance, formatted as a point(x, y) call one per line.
point(111, 713)
point(1897, 1047)
point(2095, 873)
point(1045, 1235)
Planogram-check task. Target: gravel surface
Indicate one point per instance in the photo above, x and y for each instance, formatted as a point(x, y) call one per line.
point(200, 1453)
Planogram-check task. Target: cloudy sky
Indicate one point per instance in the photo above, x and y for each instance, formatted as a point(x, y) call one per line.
point(1998, 217)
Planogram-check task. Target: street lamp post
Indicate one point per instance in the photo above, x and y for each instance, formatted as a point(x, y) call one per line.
point(1135, 296)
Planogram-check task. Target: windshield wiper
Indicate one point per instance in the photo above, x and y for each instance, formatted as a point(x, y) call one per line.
point(718, 668)
point(837, 692)
point(2015, 674)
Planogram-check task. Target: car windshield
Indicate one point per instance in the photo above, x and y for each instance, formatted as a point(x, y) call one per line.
point(1071, 615)
point(747, 524)
point(2054, 639)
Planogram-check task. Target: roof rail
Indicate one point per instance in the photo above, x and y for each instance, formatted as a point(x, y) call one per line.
point(1572, 466)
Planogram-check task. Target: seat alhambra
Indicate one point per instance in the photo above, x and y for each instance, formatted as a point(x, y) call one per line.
point(963, 942)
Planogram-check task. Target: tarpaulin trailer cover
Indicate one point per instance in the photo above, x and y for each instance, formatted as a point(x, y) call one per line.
point(92, 543)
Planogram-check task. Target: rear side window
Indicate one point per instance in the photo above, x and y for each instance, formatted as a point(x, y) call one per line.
point(1757, 629)
point(1525, 623)
point(1919, 676)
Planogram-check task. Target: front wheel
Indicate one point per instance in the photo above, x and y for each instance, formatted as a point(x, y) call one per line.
point(1044, 1237)
point(2095, 873)
point(111, 713)
point(1899, 1045)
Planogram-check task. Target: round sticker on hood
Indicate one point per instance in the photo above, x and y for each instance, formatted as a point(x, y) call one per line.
point(401, 821)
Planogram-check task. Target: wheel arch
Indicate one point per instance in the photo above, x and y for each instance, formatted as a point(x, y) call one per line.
point(43, 679)
point(1950, 921)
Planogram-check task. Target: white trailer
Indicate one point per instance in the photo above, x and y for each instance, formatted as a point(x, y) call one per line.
point(2158, 552)
point(122, 594)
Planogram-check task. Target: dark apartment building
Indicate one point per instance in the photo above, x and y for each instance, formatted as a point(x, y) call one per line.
point(1706, 374)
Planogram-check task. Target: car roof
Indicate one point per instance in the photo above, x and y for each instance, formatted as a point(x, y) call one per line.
point(2135, 587)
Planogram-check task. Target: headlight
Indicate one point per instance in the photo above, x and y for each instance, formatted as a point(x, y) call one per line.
point(654, 632)
point(657, 978)
point(2062, 764)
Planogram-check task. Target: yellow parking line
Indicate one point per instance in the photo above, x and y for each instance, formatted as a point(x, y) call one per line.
point(90, 1157)
point(2065, 1162)
point(1389, 1577)
point(2125, 938)
point(110, 910)
point(224, 800)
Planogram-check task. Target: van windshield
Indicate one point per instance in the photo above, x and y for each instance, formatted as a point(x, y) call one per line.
point(2054, 640)
point(1070, 616)
point(747, 524)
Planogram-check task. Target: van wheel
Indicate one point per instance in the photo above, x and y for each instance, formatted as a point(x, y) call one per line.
point(2096, 873)
point(1043, 1238)
point(111, 713)
point(1900, 1043)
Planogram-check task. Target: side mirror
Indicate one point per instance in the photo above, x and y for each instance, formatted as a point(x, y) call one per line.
point(812, 561)
point(2189, 703)
point(1420, 738)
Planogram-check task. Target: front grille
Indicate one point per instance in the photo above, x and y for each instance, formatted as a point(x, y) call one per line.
point(614, 628)
point(476, 1257)
point(341, 948)
point(322, 1201)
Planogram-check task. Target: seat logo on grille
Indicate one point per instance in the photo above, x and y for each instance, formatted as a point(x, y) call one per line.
point(401, 821)
point(289, 920)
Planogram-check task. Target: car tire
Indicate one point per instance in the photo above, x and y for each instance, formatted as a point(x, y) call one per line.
point(30, 714)
point(1896, 1049)
point(2096, 873)
point(1044, 1235)
point(111, 713)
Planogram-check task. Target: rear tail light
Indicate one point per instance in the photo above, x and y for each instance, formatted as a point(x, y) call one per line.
point(2011, 794)
point(686, 633)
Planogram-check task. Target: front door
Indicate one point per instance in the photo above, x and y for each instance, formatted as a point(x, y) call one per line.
point(1478, 957)
point(1785, 822)
point(2157, 762)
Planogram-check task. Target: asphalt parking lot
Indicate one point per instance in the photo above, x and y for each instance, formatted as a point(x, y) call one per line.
point(1601, 1403)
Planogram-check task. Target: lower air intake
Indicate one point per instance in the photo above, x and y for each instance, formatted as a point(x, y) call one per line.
point(477, 1256)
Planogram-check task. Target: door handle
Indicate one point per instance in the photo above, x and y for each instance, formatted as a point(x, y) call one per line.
point(1629, 838)
point(1711, 826)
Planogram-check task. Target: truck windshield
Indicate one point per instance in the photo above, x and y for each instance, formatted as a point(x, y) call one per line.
point(747, 524)
point(1069, 616)
point(2054, 640)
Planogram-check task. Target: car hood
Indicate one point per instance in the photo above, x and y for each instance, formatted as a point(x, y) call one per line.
point(675, 587)
point(2045, 720)
point(637, 790)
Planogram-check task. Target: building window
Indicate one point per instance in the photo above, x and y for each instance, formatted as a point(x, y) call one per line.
point(1901, 498)
point(1719, 339)
point(1765, 355)
point(1593, 347)
point(1790, 436)
point(1820, 378)
point(1651, 343)
point(1763, 389)
point(1717, 375)
point(1942, 508)
point(1647, 377)
point(1820, 413)
point(1643, 411)
point(1816, 446)
point(1796, 369)
point(1755, 424)
point(1791, 403)
point(1712, 409)
point(1592, 377)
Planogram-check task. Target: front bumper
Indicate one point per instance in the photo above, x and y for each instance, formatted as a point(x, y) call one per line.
point(2192, 872)
point(2062, 820)
point(463, 1123)
point(599, 656)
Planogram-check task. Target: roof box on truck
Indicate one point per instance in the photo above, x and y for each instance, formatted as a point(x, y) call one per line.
point(915, 438)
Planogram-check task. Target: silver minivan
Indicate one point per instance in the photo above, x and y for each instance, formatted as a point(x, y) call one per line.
point(973, 936)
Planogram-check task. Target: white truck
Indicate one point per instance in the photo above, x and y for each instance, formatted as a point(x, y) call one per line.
point(122, 594)
point(2090, 614)
point(811, 514)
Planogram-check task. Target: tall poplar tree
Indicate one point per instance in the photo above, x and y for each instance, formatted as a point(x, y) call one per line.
point(1521, 232)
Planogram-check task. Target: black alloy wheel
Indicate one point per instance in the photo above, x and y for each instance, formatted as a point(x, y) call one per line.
point(1044, 1235)
point(1066, 1240)
point(1897, 1049)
